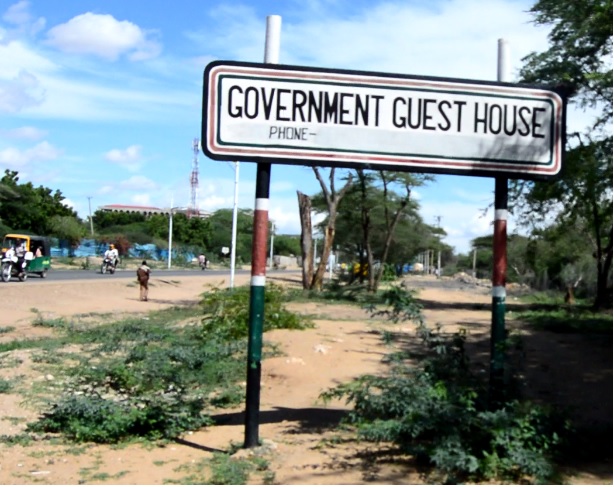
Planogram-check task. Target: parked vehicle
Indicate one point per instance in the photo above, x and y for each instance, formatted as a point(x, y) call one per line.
point(107, 266)
point(37, 249)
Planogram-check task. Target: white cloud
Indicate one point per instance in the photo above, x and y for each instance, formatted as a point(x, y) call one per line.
point(456, 38)
point(141, 199)
point(140, 183)
point(20, 92)
point(104, 36)
point(215, 202)
point(16, 158)
point(129, 158)
point(28, 133)
point(108, 189)
point(69, 202)
point(18, 13)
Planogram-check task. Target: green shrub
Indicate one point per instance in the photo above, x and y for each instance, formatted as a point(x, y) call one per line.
point(5, 386)
point(93, 418)
point(144, 378)
point(438, 411)
point(226, 313)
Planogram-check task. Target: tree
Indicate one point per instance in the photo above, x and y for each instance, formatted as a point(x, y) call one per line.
point(377, 222)
point(28, 208)
point(289, 245)
point(304, 210)
point(67, 228)
point(332, 198)
point(105, 219)
point(394, 207)
point(578, 58)
point(220, 227)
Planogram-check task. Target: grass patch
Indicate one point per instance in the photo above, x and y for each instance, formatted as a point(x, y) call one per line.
point(226, 314)
point(5, 386)
point(568, 320)
point(6, 329)
point(149, 377)
point(33, 343)
point(226, 469)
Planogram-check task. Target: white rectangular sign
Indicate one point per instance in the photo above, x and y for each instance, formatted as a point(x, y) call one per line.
point(297, 115)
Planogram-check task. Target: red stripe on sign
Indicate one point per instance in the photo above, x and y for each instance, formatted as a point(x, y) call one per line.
point(383, 159)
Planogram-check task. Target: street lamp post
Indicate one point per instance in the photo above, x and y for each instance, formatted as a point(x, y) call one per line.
point(170, 236)
point(272, 242)
point(89, 202)
point(170, 233)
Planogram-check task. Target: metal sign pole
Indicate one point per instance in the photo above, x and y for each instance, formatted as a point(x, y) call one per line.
point(259, 255)
point(497, 331)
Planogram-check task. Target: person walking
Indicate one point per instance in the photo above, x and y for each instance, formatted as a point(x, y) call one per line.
point(142, 275)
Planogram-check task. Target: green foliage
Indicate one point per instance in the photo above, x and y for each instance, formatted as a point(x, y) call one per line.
point(577, 57)
point(438, 412)
point(151, 380)
point(390, 273)
point(370, 205)
point(229, 471)
point(68, 228)
point(226, 312)
point(579, 60)
point(93, 418)
point(31, 209)
point(337, 290)
point(287, 245)
point(221, 232)
point(400, 305)
point(105, 219)
point(5, 386)
point(563, 319)
point(226, 469)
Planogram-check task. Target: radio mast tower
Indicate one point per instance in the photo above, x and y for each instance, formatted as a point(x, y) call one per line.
point(193, 210)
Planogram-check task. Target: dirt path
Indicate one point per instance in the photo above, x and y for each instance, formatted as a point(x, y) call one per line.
point(294, 425)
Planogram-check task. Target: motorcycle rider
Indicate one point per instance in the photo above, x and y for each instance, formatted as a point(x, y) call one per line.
point(112, 255)
point(20, 253)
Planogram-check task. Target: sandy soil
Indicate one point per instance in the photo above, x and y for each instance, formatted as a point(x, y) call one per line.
point(298, 430)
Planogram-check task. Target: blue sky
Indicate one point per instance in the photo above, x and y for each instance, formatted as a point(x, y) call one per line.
point(102, 99)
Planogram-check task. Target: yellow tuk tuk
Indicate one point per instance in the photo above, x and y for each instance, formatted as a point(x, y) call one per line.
point(40, 248)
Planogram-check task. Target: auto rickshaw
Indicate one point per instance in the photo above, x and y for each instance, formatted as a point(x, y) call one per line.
point(40, 248)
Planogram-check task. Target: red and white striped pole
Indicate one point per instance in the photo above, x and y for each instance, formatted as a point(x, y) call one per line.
point(497, 331)
point(259, 255)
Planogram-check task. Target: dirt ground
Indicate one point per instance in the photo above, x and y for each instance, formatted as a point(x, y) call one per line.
point(296, 428)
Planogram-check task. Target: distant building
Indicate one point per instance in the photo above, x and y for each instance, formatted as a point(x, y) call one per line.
point(151, 210)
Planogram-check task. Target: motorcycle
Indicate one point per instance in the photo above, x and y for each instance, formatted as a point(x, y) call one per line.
point(11, 267)
point(107, 266)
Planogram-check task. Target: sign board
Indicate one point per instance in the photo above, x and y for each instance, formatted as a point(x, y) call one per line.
point(336, 118)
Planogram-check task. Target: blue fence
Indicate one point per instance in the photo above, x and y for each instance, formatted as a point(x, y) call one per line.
point(93, 248)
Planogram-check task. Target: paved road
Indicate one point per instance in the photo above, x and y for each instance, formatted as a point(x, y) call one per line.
point(71, 275)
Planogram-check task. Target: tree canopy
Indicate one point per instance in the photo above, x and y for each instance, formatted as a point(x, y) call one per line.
point(24, 207)
point(579, 58)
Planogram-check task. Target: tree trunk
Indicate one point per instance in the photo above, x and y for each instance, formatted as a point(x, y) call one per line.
point(391, 224)
point(329, 237)
point(603, 299)
point(304, 208)
point(365, 221)
point(332, 202)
